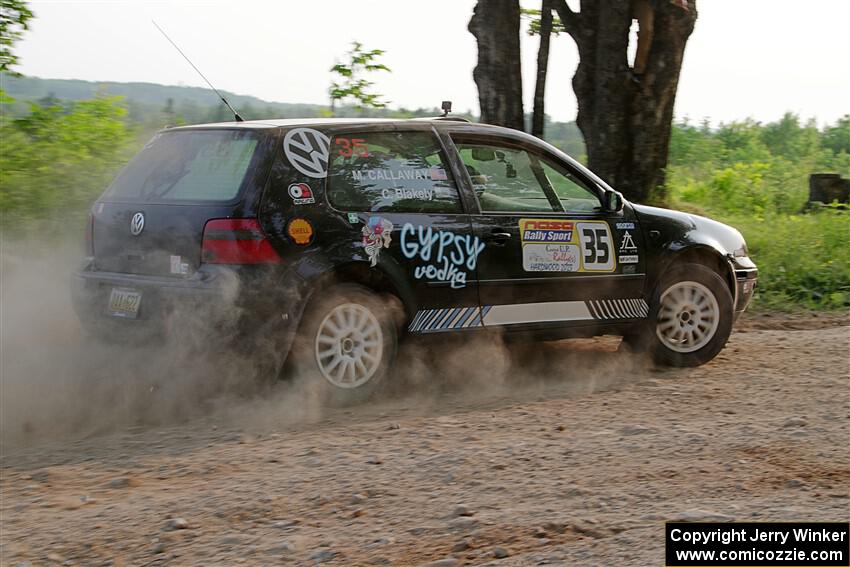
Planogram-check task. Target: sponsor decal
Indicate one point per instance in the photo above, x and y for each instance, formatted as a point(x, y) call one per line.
point(178, 266)
point(627, 244)
point(446, 255)
point(630, 269)
point(628, 250)
point(558, 245)
point(550, 257)
point(307, 150)
point(301, 194)
point(353, 218)
point(542, 230)
point(376, 234)
point(300, 231)
point(625, 226)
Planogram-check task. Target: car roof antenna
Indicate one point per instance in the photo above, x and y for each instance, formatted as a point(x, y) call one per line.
point(180, 51)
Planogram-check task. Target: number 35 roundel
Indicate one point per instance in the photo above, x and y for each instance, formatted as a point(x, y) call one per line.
point(307, 150)
point(558, 245)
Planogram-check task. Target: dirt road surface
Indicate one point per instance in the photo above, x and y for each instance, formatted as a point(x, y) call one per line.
point(576, 456)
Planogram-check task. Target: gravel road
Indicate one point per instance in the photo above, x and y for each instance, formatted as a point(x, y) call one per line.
point(559, 454)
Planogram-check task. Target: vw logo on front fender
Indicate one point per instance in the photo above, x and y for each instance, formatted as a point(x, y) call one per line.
point(137, 224)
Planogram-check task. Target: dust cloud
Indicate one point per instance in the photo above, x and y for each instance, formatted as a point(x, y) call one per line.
point(58, 383)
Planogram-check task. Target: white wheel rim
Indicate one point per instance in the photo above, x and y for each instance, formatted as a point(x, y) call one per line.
point(349, 345)
point(688, 317)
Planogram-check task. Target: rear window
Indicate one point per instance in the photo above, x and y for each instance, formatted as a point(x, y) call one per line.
point(188, 165)
point(401, 172)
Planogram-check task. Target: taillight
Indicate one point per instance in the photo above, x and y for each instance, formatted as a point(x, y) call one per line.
point(90, 236)
point(236, 241)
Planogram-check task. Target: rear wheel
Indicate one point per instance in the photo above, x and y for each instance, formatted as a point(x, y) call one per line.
point(346, 344)
point(690, 320)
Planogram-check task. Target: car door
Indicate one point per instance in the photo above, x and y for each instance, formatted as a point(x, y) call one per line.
point(553, 256)
point(400, 196)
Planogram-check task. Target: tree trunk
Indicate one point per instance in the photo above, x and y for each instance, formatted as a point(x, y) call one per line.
point(498, 75)
point(626, 124)
point(539, 115)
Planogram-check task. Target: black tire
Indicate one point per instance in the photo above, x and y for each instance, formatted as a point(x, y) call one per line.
point(380, 340)
point(676, 338)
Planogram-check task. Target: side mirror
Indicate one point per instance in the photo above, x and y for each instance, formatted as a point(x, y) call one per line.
point(612, 201)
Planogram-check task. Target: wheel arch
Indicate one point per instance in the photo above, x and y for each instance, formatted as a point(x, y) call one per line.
point(384, 279)
point(704, 255)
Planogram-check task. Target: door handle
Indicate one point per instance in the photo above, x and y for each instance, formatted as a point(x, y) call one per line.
point(499, 236)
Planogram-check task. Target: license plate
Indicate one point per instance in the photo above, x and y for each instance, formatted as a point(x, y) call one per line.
point(124, 303)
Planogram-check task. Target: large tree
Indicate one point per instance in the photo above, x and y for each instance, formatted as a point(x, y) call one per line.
point(626, 120)
point(544, 28)
point(498, 75)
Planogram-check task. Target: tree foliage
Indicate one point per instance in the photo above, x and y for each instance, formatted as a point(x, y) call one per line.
point(351, 83)
point(15, 16)
point(755, 177)
point(58, 158)
point(533, 17)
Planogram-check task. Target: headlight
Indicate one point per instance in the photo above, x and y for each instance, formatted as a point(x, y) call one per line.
point(741, 252)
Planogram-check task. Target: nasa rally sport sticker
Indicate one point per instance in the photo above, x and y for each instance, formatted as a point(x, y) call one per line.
point(300, 231)
point(563, 245)
point(301, 194)
point(307, 150)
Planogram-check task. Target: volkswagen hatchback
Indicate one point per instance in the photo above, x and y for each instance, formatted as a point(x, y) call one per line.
point(337, 238)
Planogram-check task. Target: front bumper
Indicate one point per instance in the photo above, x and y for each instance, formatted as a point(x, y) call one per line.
point(746, 280)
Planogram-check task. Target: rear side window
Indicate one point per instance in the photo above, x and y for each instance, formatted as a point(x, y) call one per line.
point(403, 172)
point(188, 165)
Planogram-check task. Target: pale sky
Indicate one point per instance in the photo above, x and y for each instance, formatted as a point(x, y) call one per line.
point(746, 58)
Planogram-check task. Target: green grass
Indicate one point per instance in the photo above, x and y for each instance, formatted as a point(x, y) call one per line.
point(803, 260)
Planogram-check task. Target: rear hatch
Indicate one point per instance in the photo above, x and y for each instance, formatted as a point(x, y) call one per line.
point(151, 219)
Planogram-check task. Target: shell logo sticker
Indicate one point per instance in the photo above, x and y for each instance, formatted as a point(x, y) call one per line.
point(308, 151)
point(300, 231)
point(301, 194)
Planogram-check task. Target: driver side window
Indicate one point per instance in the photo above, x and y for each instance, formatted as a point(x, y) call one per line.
point(505, 179)
point(574, 196)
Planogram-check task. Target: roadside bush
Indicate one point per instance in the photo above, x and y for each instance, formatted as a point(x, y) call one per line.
point(803, 259)
point(755, 178)
point(57, 159)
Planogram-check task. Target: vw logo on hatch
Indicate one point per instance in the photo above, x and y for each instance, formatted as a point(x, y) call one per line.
point(137, 224)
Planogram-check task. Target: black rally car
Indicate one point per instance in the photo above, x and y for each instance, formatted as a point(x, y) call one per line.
point(337, 237)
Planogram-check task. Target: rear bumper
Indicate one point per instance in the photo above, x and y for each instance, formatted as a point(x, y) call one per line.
point(243, 301)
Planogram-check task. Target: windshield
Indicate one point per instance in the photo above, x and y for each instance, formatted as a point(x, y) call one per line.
point(188, 165)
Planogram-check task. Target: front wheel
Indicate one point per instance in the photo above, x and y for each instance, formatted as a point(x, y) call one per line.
point(346, 344)
point(691, 317)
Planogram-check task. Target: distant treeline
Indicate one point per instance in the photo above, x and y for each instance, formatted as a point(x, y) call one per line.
point(151, 106)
